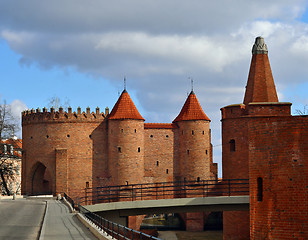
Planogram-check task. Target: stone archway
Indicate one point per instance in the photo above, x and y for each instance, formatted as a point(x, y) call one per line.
point(41, 180)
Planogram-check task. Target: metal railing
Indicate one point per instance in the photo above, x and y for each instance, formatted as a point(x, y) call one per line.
point(70, 200)
point(166, 190)
point(115, 230)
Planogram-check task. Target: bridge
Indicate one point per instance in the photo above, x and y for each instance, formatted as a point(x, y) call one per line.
point(115, 203)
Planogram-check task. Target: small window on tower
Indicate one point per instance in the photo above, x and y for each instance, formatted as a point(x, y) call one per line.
point(135, 130)
point(167, 171)
point(187, 152)
point(206, 152)
point(203, 132)
point(157, 163)
point(260, 189)
point(87, 184)
point(122, 130)
point(232, 145)
point(119, 149)
point(192, 132)
point(138, 149)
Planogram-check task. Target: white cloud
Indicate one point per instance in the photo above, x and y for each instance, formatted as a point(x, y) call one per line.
point(17, 107)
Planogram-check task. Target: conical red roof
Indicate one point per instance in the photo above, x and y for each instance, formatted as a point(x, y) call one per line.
point(191, 110)
point(260, 85)
point(125, 108)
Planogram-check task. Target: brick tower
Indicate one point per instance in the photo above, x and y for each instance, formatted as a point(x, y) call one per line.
point(194, 141)
point(194, 149)
point(125, 142)
point(260, 101)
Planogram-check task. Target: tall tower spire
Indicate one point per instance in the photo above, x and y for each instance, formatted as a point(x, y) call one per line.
point(260, 85)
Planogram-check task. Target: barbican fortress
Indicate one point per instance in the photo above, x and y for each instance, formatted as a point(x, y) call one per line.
point(261, 141)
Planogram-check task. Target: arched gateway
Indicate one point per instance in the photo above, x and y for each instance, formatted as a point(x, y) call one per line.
point(41, 182)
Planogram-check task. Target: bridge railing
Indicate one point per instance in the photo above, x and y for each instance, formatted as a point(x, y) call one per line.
point(115, 230)
point(165, 190)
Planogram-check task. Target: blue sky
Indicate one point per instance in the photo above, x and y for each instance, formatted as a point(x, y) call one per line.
point(81, 52)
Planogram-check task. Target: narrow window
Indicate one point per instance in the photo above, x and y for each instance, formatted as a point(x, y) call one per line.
point(167, 136)
point(90, 136)
point(151, 136)
point(87, 184)
point(47, 136)
point(203, 132)
point(126, 182)
point(232, 145)
point(138, 149)
point(206, 152)
point(135, 130)
point(198, 179)
point(167, 171)
point(122, 130)
point(260, 189)
point(192, 132)
point(157, 163)
point(68, 135)
point(119, 149)
point(187, 152)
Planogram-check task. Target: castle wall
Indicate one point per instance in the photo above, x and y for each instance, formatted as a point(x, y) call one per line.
point(159, 154)
point(194, 150)
point(70, 149)
point(126, 151)
point(278, 155)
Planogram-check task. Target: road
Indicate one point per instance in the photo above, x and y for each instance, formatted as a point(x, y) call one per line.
point(21, 218)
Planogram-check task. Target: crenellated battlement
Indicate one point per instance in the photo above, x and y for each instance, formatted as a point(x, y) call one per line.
point(38, 115)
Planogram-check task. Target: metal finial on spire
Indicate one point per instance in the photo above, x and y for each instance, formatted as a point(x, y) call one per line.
point(191, 83)
point(124, 83)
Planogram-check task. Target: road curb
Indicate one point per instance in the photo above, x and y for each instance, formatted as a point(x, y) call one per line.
point(42, 230)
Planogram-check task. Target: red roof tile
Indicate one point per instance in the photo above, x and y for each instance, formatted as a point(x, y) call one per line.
point(191, 110)
point(125, 108)
point(160, 125)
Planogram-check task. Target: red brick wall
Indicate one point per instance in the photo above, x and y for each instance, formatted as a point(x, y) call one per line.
point(43, 134)
point(194, 150)
point(125, 161)
point(278, 154)
point(159, 155)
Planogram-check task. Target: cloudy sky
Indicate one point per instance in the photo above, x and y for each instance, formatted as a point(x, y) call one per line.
point(80, 51)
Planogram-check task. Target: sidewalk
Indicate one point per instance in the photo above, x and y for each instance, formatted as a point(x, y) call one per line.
point(59, 223)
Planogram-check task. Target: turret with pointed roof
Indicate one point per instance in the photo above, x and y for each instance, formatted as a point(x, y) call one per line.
point(260, 85)
point(194, 136)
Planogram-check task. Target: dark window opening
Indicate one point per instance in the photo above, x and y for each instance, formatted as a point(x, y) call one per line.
point(167, 171)
point(167, 136)
point(192, 132)
point(87, 185)
point(31, 137)
point(232, 145)
point(119, 149)
point(187, 152)
point(90, 136)
point(68, 135)
point(151, 136)
point(47, 136)
point(157, 163)
point(203, 132)
point(138, 149)
point(135, 130)
point(126, 182)
point(206, 152)
point(122, 130)
point(198, 179)
point(260, 189)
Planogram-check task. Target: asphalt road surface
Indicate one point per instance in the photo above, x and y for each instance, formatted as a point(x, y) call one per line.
point(21, 218)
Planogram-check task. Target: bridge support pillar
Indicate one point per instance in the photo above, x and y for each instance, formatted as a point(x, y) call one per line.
point(194, 222)
point(235, 225)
